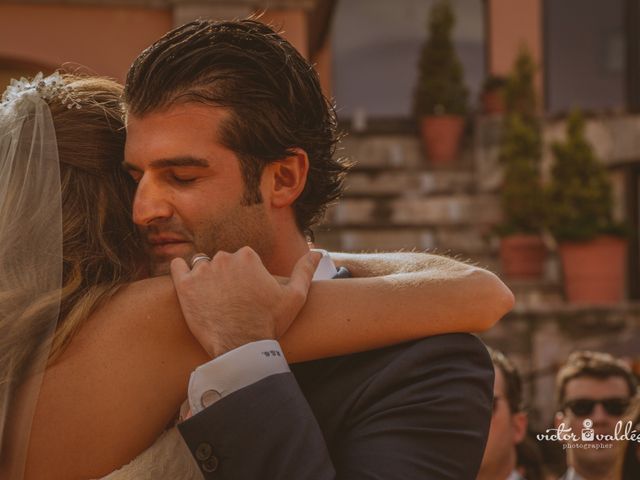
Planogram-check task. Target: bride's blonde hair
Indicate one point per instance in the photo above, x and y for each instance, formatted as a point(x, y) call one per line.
point(100, 247)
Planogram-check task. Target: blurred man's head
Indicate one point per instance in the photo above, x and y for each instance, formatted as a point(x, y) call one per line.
point(508, 421)
point(594, 390)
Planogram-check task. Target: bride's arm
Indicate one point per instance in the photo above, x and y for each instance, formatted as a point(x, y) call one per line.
point(430, 295)
point(388, 263)
point(125, 374)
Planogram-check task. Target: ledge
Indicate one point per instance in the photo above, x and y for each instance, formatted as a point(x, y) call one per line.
point(573, 310)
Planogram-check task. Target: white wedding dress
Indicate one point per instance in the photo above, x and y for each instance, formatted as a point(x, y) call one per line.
point(168, 458)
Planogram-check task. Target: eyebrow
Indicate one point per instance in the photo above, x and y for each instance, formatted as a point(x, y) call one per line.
point(186, 161)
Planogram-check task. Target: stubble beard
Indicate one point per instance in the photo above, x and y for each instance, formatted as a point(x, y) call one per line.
point(243, 225)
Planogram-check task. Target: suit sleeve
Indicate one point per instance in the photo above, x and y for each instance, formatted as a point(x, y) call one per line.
point(425, 415)
point(264, 431)
point(420, 411)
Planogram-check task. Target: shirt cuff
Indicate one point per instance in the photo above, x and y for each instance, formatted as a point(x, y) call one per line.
point(234, 370)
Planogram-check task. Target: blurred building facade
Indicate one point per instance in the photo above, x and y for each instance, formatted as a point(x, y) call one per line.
point(104, 36)
point(366, 52)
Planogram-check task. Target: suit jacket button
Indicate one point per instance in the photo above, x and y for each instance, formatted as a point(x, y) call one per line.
point(203, 452)
point(210, 465)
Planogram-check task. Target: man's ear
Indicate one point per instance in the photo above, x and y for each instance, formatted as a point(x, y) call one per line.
point(519, 421)
point(287, 178)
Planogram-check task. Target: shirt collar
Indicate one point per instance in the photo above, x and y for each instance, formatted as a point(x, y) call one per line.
point(326, 268)
point(515, 475)
point(572, 474)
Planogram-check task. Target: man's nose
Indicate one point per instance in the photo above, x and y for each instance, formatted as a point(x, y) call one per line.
point(600, 416)
point(150, 203)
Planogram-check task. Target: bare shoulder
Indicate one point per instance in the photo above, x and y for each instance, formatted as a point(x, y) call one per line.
point(116, 387)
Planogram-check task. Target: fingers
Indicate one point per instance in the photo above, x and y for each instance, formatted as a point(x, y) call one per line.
point(303, 271)
point(179, 269)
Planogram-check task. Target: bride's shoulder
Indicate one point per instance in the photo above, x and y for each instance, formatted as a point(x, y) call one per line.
point(152, 300)
point(139, 293)
point(150, 306)
point(118, 384)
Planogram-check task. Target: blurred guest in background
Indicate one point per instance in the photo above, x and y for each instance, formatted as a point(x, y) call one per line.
point(508, 423)
point(631, 454)
point(530, 461)
point(594, 391)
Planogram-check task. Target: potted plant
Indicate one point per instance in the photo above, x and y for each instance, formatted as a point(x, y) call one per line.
point(440, 98)
point(591, 244)
point(520, 91)
point(492, 96)
point(522, 251)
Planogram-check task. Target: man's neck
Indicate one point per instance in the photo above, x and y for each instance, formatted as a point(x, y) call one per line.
point(287, 250)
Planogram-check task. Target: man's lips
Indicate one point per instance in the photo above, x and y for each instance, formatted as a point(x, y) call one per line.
point(164, 240)
point(165, 245)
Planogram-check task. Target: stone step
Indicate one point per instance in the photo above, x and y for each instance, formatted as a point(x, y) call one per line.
point(383, 151)
point(398, 151)
point(464, 241)
point(415, 210)
point(385, 183)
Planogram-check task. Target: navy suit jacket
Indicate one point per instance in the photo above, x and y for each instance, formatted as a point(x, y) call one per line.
point(419, 410)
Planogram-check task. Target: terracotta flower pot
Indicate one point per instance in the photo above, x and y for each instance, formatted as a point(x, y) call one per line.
point(522, 256)
point(594, 271)
point(441, 137)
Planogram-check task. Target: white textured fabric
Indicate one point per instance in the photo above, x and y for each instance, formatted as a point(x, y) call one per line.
point(247, 364)
point(168, 458)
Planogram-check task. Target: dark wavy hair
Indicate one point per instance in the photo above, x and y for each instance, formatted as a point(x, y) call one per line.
point(101, 247)
point(590, 364)
point(273, 95)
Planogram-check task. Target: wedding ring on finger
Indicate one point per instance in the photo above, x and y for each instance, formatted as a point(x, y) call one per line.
point(197, 257)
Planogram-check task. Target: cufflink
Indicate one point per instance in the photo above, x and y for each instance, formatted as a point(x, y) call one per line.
point(209, 398)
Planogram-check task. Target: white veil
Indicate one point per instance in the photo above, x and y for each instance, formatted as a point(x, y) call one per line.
point(30, 255)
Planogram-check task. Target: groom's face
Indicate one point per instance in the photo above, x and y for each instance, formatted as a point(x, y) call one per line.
point(191, 195)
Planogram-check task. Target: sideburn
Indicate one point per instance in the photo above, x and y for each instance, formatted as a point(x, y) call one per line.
point(251, 169)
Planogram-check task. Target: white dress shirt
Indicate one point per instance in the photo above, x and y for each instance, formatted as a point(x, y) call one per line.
point(571, 474)
point(515, 475)
point(244, 365)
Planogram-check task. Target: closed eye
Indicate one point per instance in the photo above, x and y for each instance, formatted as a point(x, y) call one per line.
point(183, 180)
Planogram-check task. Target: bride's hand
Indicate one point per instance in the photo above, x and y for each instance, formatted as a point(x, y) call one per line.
point(233, 300)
